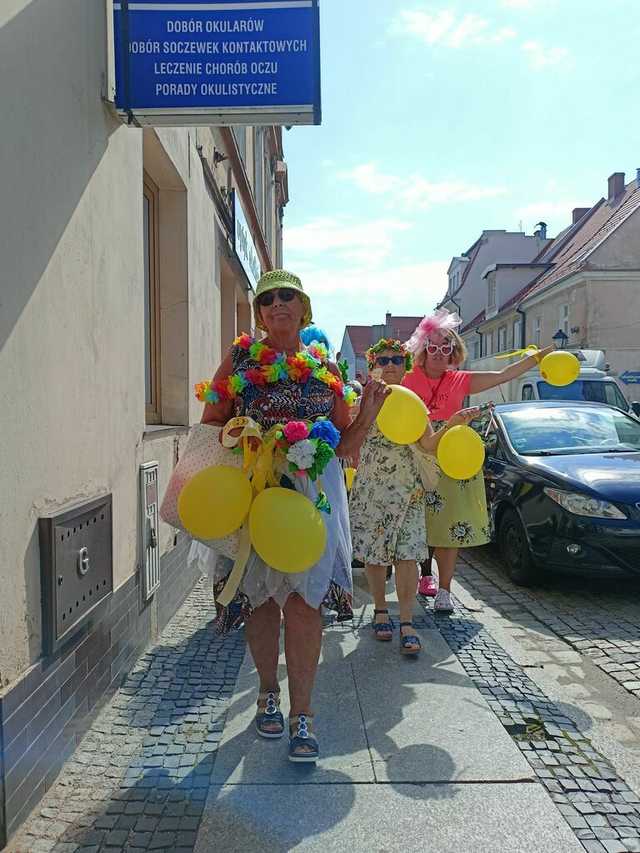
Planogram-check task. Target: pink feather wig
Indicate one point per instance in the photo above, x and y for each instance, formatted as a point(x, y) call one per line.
point(441, 321)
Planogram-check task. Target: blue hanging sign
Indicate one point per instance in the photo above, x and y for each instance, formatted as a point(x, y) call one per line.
point(631, 377)
point(195, 62)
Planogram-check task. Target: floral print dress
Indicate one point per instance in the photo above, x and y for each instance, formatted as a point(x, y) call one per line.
point(457, 511)
point(387, 504)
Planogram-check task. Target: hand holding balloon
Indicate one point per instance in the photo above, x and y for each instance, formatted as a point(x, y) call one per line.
point(461, 450)
point(403, 418)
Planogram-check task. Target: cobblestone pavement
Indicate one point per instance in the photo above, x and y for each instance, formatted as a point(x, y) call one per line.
point(598, 617)
point(140, 777)
point(598, 805)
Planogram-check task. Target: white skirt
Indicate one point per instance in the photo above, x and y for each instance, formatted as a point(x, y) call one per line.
point(260, 582)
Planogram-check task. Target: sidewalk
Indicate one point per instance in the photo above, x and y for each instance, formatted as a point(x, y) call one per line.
point(412, 759)
point(457, 750)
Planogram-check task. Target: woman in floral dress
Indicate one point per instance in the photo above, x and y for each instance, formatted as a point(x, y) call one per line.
point(387, 507)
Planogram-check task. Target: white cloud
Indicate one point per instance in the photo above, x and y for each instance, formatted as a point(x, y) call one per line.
point(358, 296)
point(519, 4)
point(415, 191)
point(555, 212)
point(541, 57)
point(447, 28)
point(365, 244)
point(352, 275)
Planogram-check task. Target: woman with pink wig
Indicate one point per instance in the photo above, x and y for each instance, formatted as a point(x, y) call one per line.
point(456, 509)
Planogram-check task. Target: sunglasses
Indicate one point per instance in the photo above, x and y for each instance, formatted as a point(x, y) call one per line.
point(384, 360)
point(445, 349)
point(284, 294)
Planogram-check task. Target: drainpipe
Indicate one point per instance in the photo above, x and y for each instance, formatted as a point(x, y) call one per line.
point(523, 330)
point(479, 334)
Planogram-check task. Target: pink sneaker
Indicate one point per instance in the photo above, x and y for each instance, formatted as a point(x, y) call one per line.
point(427, 586)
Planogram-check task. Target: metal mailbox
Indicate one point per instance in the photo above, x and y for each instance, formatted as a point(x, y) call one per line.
point(76, 560)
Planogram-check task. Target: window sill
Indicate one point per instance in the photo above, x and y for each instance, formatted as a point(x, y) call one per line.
point(159, 430)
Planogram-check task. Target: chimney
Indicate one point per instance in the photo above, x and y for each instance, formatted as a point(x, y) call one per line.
point(387, 321)
point(541, 231)
point(578, 213)
point(616, 186)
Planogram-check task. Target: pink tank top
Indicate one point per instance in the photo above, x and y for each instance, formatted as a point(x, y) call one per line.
point(443, 397)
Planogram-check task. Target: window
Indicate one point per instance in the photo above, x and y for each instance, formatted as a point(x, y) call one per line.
point(491, 297)
point(537, 331)
point(258, 172)
point(476, 349)
point(488, 338)
point(502, 339)
point(527, 392)
point(564, 319)
point(517, 333)
point(151, 301)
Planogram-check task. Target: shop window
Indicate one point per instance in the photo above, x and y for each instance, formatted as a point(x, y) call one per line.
point(151, 301)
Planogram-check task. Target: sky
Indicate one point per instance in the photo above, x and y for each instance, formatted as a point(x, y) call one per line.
point(444, 119)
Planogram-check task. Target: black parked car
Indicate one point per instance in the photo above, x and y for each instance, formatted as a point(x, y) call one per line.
point(563, 488)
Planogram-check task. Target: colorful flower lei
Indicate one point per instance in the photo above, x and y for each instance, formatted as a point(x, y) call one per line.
point(274, 366)
point(388, 344)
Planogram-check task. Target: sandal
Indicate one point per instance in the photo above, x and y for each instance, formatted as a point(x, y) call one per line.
point(382, 630)
point(269, 719)
point(303, 746)
point(409, 643)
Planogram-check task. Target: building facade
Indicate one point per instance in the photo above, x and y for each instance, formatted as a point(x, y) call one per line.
point(357, 340)
point(584, 285)
point(467, 291)
point(128, 263)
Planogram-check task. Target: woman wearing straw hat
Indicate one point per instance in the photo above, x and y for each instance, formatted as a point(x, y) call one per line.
point(266, 597)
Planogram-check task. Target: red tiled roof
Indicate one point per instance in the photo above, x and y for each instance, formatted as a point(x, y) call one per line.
point(476, 320)
point(403, 327)
point(360, 337)
point(590, 231)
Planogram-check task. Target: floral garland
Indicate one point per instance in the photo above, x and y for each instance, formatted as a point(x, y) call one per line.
point(274, 366)
point(393, 346)
point(305, 448)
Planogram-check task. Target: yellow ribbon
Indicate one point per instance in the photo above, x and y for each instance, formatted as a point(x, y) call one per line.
point(532, 350)
point(259, 465)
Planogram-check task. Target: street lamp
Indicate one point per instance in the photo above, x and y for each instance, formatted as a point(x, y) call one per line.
point(560, 338)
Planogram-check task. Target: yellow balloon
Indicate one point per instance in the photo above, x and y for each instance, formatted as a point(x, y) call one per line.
point(287, 531)
point(461, 453)
point(560, 368)
point(349, 475)
point(215, 502)
point(403, 418)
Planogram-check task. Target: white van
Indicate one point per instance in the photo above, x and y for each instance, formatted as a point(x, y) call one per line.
point(593, 385)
